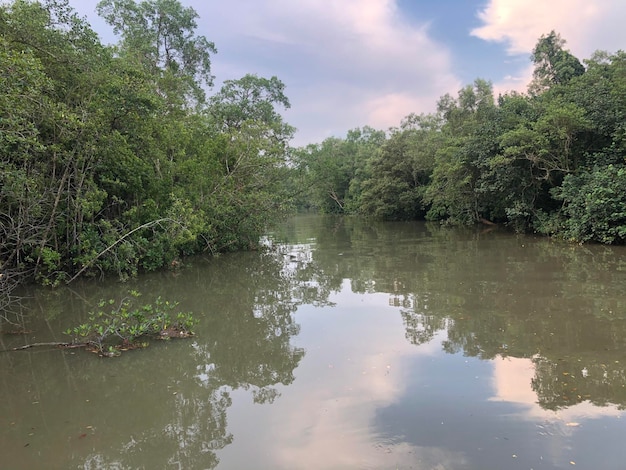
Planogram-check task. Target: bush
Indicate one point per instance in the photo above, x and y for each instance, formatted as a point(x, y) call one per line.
point(118, 326)
point(595, 205)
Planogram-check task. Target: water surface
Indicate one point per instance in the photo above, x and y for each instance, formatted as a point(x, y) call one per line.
point(348, 345)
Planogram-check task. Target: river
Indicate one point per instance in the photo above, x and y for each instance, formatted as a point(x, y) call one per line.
point(347, 344)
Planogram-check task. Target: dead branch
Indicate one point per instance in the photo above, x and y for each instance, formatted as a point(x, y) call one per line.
point(110, 247)
point(53, 343)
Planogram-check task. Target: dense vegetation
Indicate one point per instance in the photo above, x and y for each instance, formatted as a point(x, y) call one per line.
point(550, 161)
point(112, 158)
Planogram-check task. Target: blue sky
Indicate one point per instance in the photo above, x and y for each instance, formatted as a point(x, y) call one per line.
point(351, 63)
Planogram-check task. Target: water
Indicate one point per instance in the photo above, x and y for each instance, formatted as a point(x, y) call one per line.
point(349, 345)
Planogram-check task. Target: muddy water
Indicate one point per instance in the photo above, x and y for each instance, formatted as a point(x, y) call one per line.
point(347, 345)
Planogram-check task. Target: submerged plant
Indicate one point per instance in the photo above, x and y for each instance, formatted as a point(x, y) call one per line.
point(118, 325)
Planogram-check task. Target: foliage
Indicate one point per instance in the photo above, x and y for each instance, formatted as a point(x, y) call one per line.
point(334, 171)
point(403, 168)
point(111, 158)
point(553, 64)
point(595, 205)
point(160, 34)
point(108, 332)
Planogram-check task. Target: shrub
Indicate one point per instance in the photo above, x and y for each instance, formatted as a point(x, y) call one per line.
point(595, 205)
point(119, 325)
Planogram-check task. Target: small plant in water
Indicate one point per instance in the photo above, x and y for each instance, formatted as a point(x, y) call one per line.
point(117, 326)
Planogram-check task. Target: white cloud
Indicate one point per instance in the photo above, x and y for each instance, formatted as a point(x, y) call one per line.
point(521, 22)
point(518, 82)
point(346, 64)
point(330, 411)
point(384, 111)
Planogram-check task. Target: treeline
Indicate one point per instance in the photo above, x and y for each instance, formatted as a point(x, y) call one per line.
point(550, 161)
point(112, 158)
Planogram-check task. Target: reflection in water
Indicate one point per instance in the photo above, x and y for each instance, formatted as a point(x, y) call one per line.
point(167, 405)
point(494, 295)
point(555, 309)
point(514, 382)
point(425, 347)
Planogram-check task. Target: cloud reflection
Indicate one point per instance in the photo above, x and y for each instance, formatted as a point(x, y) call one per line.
point(512, 381)
point(326, 418)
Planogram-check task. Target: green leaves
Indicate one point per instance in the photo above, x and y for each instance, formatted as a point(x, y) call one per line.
point(401, 171)
point(110, 331)
point(553, 64)
point(550, 161)
point(160, 34)
point(332, 174)
point(99, 146)
point(595, 205)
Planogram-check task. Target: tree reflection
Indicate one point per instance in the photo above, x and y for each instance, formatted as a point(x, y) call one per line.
point(245, 343)
point(170, 404)
point(493, 294)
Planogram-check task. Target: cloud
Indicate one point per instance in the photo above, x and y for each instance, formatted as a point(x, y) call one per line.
point(520, 23)
point(345, 64)
point(518, 82)
point(328, 417)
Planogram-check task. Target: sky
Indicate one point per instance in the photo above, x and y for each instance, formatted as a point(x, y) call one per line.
point(352, 63)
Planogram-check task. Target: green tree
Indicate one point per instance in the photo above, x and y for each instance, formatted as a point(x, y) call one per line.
point(59, 58)
point(160, 34)
point(595, 205)
point(553, 64)
point(329, 168)
point(468, 131)
point(401, 171)
point(337, 169)
point(106, 165)
point(252, 151)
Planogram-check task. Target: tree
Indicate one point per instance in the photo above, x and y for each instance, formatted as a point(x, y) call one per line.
point(251, 99)
point(48, 147)
point(160, 34)
point(594, 203)
point(468, 131)
point(337, 169)
point(553, 64)
point(252, 151)
point(400, 172)
point(105, 167)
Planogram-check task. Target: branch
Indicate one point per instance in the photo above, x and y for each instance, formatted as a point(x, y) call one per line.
point(334, 197)
point(53, 343)
point(146, 225)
